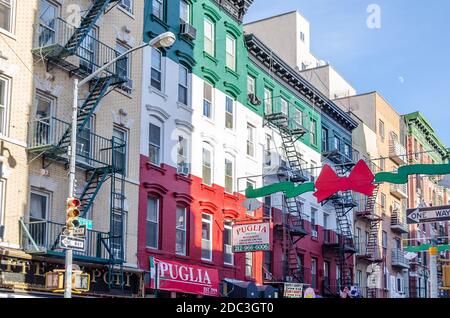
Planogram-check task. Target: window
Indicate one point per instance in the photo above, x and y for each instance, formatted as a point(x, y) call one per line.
point(206, 237)
point(39, 213)
point(6, 15)
point(314, 273)
point(314, 225)
point(416, 150)
point(229, 167)
point(48, 12)
point(383, 202)
point(384, 240)
point(313, 131)
point(118, 231)
point(267, 206)
point(209, 37)
point(207, 165)
point(158, 9)
point(181, 226)
point(4, 101)
point(313, 171)
point(183, 84)
point(337, 143)
point(156, 72)
point(381, 129)
point(84, 143)
point(153, 223)
point(249, 264)
point(229, 113)
point(383, 164)
point(185, 12)
point(298, 117)
point(284, 106)
point(250, 140)
point(325, 221)
point(326, 273)
point(324, 139)
point(127, 5)
point(267, 101)
point(227, 244)
point(120, 150)
point(302, 36)
point(267, 152)
point(88, 51)
point(347, 150)
point(154, 153)
point(123, 66)
point(251, 87)
point(182, 156)
point(207, 100)
point(231, 52)
point(359, 278)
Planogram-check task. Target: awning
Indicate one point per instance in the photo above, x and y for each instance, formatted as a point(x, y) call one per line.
point(240, 289)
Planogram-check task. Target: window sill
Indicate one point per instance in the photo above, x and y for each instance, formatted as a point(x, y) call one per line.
point(183, 177)
point(159, 21)
point(230, 131)
point(152, 166)
point(8, 34)
point(126, 92)
point(228, 265)
point(185, 257)
point(208, 262)
point(158, 92)
point(185, 107)
point(210, 57)
point(232, 72)
point(128, 13)
point(209, 120)
point(185, 39)
point(207, 187)
point(231, 196)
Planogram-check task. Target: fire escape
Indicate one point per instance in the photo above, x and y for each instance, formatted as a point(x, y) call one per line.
point(77, 51)
point(293, 227)
point(341, 244)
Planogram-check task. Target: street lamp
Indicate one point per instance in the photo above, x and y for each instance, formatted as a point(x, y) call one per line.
point(165, 39)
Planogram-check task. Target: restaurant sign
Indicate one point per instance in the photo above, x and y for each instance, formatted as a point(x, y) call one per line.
point(183, 278)
point(251, 237)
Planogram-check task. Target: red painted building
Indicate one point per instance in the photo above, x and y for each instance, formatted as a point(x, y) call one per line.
point(207, 211)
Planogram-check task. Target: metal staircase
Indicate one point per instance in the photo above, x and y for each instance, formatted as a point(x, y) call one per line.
point(374, 227)
point(51, 138)
point(293, 228)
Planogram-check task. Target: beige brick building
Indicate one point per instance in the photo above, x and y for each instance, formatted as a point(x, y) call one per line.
point(37, 68)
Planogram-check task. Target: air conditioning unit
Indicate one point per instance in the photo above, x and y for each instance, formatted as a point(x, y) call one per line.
point(183, 169)
point(253, 99)
point(127, 86)
point(314, 233)
point(188, 31)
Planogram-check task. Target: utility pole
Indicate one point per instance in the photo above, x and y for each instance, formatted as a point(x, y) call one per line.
point(433, 251)
point(72, 169)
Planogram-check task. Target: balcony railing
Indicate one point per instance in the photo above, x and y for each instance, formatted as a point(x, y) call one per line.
point(400, 191)
point(45, 236)
point(333, 239)
point(338, 151)
point(94, 151)
point(89, 56)
point(398, 259)
point(398, 222)
point(363, 211)
point(371, 253)
point(397, 152)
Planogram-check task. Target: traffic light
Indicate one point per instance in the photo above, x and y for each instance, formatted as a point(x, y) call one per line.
point(72, 213)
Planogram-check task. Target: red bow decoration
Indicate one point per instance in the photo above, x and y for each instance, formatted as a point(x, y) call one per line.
point(360, 180)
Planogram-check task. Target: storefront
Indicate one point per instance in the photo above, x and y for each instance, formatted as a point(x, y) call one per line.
point(22, 275)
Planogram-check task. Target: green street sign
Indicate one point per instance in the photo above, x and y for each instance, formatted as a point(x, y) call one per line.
point(86, 222)
point(425, 248)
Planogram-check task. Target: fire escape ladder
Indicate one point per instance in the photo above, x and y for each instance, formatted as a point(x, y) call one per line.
point(91, 189)
point(86, 25)
point(375, 222)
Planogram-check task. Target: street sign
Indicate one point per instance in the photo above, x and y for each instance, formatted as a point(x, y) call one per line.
point(80, 231)
point(251, 204)
point(72, 243)
point(425, 248)
point(428, 215)
point(86, 222)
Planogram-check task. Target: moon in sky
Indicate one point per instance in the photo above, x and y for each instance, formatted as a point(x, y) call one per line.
point(401, 79)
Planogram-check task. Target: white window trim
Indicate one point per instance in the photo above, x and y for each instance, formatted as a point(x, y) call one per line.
point(231, 54)
point(46, 194)
point(233, 105)
point(252, 141)
point(251, 79)
point(188, 5)
point(210, 222)
point(188, 85)
point(213, 35)
point(127, 9)
point(161, 70)
point(162, 2)
point(227, 226)
point(11, 33)
point(7, 106)
point(161, 134)
point(158, 216)
point(185, 230)
point(210, 148)
point(232, 159)
point(126, 134)
point(211, 119)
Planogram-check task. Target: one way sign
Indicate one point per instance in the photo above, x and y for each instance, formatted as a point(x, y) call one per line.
point(428, 215)
point(72, 243)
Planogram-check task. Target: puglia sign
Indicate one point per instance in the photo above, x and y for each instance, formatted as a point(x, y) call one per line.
point(251, 237)
point(428, 215)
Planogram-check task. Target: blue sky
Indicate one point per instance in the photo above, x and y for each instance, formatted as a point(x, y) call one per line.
point(407, 60)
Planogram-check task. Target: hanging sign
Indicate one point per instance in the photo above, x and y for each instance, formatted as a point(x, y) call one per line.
point(428, 215)
point(293, 290)
point(251, 237)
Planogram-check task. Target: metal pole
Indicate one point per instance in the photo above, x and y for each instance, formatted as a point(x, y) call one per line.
point(433, 271)
point(72, 166)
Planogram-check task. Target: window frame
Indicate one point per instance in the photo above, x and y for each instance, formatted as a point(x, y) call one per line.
point(162, 6)
point(185, 230)
point(227, 226)
point(157, 223)
point(160, 71)
point(158, 147)
point(126, 8)
point(231, 160)
point(268, 100)
point(251, 140)
point(251, 82)
point(126, 135)
point(206, 39)
point(209, 221)
point(188, 6)
point(249, 264)
point(313, 132)
point(209, 103)
point(183, 85)
point(5, 107)
point(230, 57)
point(210, 149)
point(128, 58)
point(232, 113)
point(185, 156)
point(381, 129)
point(314, 272)
point(12, 17)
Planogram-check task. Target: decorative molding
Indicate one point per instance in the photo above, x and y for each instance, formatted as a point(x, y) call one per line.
point(185, 124)
point(234, 30)
point(186, 59)
point(208, 205)
point(155, 187)
point(231, 149)
point(161, 169)
point(232, 89)
point(230, 214)
point(212, 13)
point(210, 75)
point(158, 111)
point(208, 138)
point(185, 198)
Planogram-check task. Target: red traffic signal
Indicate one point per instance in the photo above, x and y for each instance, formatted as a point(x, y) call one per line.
point(72, 213)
